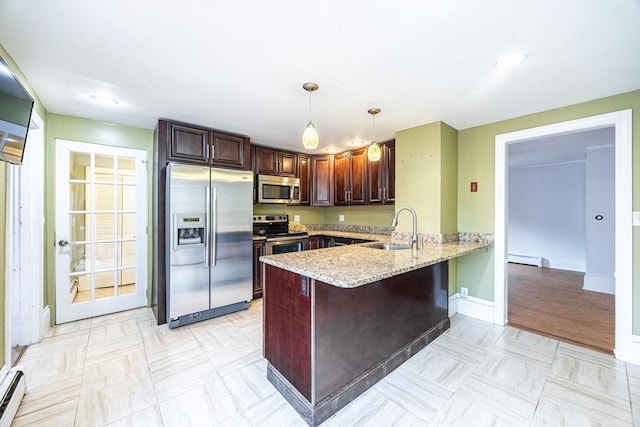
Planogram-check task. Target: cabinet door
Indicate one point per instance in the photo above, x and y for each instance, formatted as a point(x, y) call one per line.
point(186, 143)
point(341, 177)
point(287, 164)
point(376, 180)
point(229, 151)
point(266, 161)
point(314, 243)
point(258, 251)
point(304, 173)
point(358, 177)
point(322, 180)
point(390, 173)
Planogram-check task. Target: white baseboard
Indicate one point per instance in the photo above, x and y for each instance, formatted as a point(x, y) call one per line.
point(606, 285)
point(45, 323)
point(477, 308)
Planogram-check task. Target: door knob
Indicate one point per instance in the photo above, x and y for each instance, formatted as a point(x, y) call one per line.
point(63, 243)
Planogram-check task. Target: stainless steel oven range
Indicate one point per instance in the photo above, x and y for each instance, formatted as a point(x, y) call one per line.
point(278, 239)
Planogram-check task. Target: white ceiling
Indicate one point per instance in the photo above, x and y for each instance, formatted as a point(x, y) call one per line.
point(239, 66)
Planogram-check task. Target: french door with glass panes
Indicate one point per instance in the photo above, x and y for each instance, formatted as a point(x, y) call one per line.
point(101, 223)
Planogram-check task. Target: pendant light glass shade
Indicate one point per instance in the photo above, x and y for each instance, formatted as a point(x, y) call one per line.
point(374, 153)
point(310, 138)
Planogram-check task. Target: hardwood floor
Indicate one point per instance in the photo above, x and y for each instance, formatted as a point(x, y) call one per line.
point(552, 302)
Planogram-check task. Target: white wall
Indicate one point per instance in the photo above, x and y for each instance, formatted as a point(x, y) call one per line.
point(600, 234)
point(547, 214)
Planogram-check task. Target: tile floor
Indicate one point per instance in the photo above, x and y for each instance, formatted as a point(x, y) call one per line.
point(123, 370)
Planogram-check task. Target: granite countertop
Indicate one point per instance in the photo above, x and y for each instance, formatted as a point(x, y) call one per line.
point(356, 265)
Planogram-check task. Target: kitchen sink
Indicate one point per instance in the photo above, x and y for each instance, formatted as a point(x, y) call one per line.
point(388, 246)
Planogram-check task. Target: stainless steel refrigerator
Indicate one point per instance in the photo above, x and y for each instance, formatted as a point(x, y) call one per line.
point(209, 256)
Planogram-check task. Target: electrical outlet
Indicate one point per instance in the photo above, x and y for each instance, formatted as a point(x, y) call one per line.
point(341, 218)
point(296, 218)
point(636, 218)
point(464, 292)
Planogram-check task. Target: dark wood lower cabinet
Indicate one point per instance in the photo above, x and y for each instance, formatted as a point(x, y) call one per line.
point(258, 251)
point(326, 345)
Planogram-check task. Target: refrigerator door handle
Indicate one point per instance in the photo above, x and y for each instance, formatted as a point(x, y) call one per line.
point(214, 225)
point(207, 233)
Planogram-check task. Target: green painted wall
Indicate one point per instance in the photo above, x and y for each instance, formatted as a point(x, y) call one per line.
point(418, 166)
point(427, 177)
point(96, 132)
point(476, 152)
point(308, 215)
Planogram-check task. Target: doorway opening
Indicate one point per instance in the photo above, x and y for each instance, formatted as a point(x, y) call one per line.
point(561, 247)
point(625, 347)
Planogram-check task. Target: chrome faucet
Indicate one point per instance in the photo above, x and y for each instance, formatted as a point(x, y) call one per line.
point(414, 236)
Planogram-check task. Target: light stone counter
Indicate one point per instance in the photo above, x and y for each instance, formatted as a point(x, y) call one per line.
point(356, 265)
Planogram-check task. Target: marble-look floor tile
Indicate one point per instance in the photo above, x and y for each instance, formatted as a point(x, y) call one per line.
point(66, 328)
point(592, 357)
point(418, 395)
point(219, 337)
point(149, 417)
point(504, 401)
point(374, 409)
point(61, 343)
point(209, 404)
point(154, 336)
point(232, 359)
point(113, 331)
point(53, 364)
point(141, 314)
point(249, 385)
point(115, 370)
point(562, 402)
point(106, 405)
point(98, 352)
point(461, 351)
point(439, 367)
point(476, 332)
point(60, 415)
point(274, 411)
point(463, 410)
point(591, 375)
point(527, 344)
point(50, 391)
point(515, 374)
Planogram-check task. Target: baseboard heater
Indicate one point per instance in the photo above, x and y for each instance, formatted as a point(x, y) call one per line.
point(12, 391)
point(525, 259)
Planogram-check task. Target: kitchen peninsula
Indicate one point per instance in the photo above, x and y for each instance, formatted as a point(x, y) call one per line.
point(337, 320)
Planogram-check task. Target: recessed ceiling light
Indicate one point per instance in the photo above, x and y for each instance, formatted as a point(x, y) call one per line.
point(331, 150)
point(358, 142)
point(103, 99)
point(511, 60)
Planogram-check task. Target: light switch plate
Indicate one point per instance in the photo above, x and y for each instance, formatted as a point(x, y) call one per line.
point(636, 218)
point(296, 218)
point(341, 218)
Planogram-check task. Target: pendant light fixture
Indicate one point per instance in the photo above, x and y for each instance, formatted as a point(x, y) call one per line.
point(310, 136)
point(374, 153)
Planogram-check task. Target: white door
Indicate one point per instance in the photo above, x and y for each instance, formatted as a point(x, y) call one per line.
point(101, 223)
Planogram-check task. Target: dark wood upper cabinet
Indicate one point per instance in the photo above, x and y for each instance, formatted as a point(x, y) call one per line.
point(274, 162)
point(322, 180)
point(188, 143)
point(192, 144)
point(304, 173)
point(381, 176)
point(351, 178)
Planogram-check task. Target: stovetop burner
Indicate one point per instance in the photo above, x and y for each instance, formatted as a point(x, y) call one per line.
point(274, 226)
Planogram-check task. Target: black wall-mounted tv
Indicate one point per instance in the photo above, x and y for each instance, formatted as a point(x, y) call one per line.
point(15, 115)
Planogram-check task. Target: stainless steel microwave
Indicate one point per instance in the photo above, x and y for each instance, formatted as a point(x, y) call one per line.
point(278, 189)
